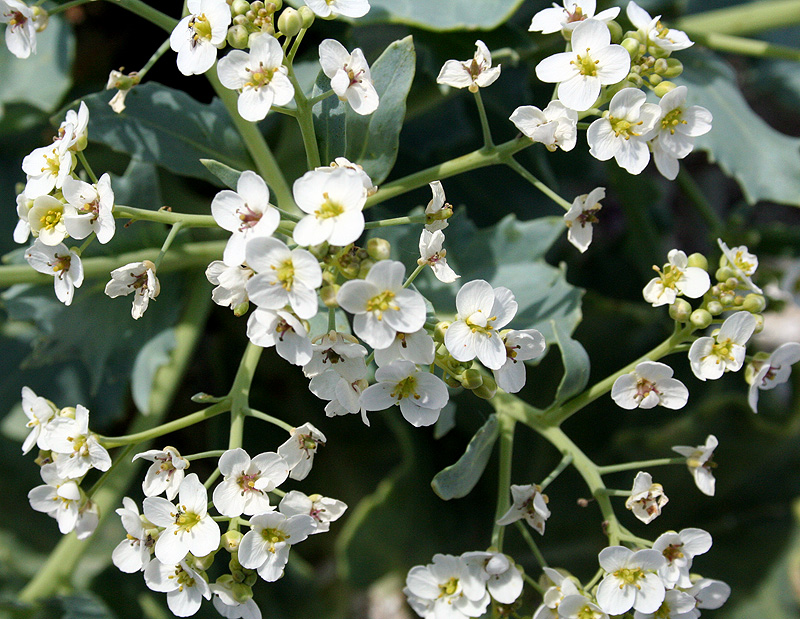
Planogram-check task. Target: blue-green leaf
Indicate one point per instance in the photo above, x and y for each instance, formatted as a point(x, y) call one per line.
point(150, 358)
point(458, 480)
point(226, 174)
point(576, 364)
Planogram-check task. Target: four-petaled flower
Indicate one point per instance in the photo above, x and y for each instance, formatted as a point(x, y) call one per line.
point(772, 371)
point(631, 580)
point(20, 27)
point(556, 126)
point(568, 16)
point(650, 384)
point(581, 216)
point(247, 481)
point(62, 263)
point(676, 278)
point(724, 351)
point(472, 74)
point(198, 35)
point(529, 503)
point(139, 278)
point(332, 8)
point(350, 76)
point(646, 498)
point(265, 547)
point(299, 450)
point(676, 130)
point(668, 39)
point(700, 462)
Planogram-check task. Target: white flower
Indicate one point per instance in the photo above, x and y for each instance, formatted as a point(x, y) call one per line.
point(284, 331)
point(646, 498)
point(59, 498)
point(649, 385)
point(246, 213)
point(133, 553)
point(165, 474)
point(340, 352)
point(74, 130)
point(563, 587)
point(567, 18)
point(283, 277)
point(774, 370)
point(46, 219)
point(580, 607)
point(230, 283)
point(676, 605)
point(260, 77)
point(265, 547)
point(343, 394)
point(334, 202)
point(20, 27)
point(482, 312)
point(75, 448)
point(48, 166)
point(446, 588)
point(350, 76)
point(246, 482)
point(668, 39)
point(724, 351)
point(188, 525)
point(299, 450)
point(520, 346)
point(624, 130)
point(677, 129)
point(185, 587)
point(198, 35)
point(700, 462)
point(502, 577)
point(438, 211)
point(332, 8)
point(123, 84)
point(344, 162)
point(742, 262)
point(23, 228)
point(322, 509)
point(581, 216)
point(62, 263)
point(473, 74)
point(677, 278)
point(556, 126)
point(382, 307)
point(593, 63)
point(529, 503)
point(630, 581)
point(431, 253)
point(420, 394)
point(88, 519)
point(416, 347)
point(139, 278)
point(88, 208)
point(709, 593)
point(679, 549)
point(39, 412)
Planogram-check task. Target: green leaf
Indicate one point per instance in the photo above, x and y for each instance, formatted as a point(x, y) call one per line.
point(43, 79)
point(576, 365)
point(456, 481)
point(84, 605)
point(371, 141)
point(151, 357)
point(738, 133)
point(167, 127)
point(228, 176)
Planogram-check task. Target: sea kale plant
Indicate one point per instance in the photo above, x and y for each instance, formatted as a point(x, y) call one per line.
point(352, 292)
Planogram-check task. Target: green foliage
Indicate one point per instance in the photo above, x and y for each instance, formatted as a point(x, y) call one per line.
point(576, 364)
point(371, 141)
point(224, 173)
point(150, 358)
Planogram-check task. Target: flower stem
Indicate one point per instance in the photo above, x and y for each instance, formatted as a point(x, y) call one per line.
point(395, 221)
point(240, 393)
point(533, 583)
point(748, 18)
point(214, 453)
point(506, 440)
point(641, 464)
point(153, 59)
point(745, 47)
point(514, 165)
point(320, 97)
point(413, 275)
point(66, 6)
point(526, 535)
point(704, 208)
point(87, 167)
point(488, 143)
point(305, 119)
point(173, 232)
point(251, 412)
point(565, 462)
point(145, 11)
point(164, 216)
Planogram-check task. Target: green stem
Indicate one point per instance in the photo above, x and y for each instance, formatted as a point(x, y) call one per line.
point(296, 45)
point(178, 424)
point(565, 462)
point(535, 585)
point(748, 18)
point(266, 164)
point(173, 232)
point(745, 47)
point(164, 216)
point(240, 393)
point(66, 6)
point(270, 419)
point(212, 478)
point(413, 275)
point(305, 119)
point(506, 440)
point(514, 165)
point(395, 221)
point(87, 167)
point(145, 11)
point(214, 453)
point(320, 97)
point(331, 319)
point(89, 240)
point(488, 143)
point(614, 492)
point(641, 464)
point(526, 535)
point(153, 59)
point(123, 457)
point(705, 209)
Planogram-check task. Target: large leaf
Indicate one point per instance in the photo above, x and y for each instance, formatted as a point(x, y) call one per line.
point(765, 162)
point(576, 365)
point(371, 141)
point(458, 480)
point(169, 128)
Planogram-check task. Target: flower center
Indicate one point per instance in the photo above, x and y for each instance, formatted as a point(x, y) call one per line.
point(328, 208)
point(448, 588)
point(664, 612)
point(248, 217)
point(740, 261)
point(587, 613)
point(644, 387)
point(406, 388)
point(723, 350)
point(247, 482)
point(259, 77)
point(672, 120)
point(629, 576)
point(183, 578)
point(185, 519)
point(51, 218)
point(60, 264)
point(16, 19)
point(381, 303)
point(576, 15)
point(673, 552)
point(623, 127)
point(478, 321)
point(202, 29)
point(308, 444)
point(354, 76)
point(669, 276)
point(272, 537)
point(52, 164)
point(285, 273)
point(585, 64)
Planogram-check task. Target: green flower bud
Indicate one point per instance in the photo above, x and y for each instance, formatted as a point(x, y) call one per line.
point(698, 260)
point(379, 249)
point(328, 295)
point(241, 309)
point(40, 18)
point(655, 79)
point(738, 300)
point(251, 578)
point(203, 563)
point(439, 330)
point(487, 390)
point(726, 298)
point(616, 31)
point(754, 303)
point(231, 540)
point(715, 308)
point(451, 381)
point(257, 5)
point(239, 7)
point(45, 457)
point(307, 16)
point(759, 323)
point(290, 23)
point(732, 283)
point(238, 36)
point(664, 87)
point(674, 68)
point(656, 52)
point(277, 5)
point(701, 318)
point(251, 15)
point(366, 266)
point(328, 277)
point(634, 80)
point(471, 379)
point(252, 38)
point(680, 310)
point(724, 273)
point(633, 46)
point(241, 592)
point(660, 66)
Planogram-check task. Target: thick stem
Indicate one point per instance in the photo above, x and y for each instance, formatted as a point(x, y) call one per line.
point(506, 440)
point(147, 12)
point(395, 221)
point(305, 119)
point(488, 143)
point(745, 47)
point(164, 216)
point(240, 393)
point(743, 19)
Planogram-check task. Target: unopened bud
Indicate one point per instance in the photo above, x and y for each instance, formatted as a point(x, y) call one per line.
point(241, 592)
point(754, 303)
point(738, 300)
point(241, 309)
point(698, 260)
point(45, 457)
point(657, 52)
point(451, 381)
point(379, 249)
point(726, 298)
point(238, 36)
point(251, 15)
point(307, 15)
point(231, 540)
point(680, 310)
point(290, 23)
point(439, 331)
point(655, 79)
point(366, 266)
point(471, 379)
point(40, 18)
point(724, 273)
point(660, 66)
point(674, 68)
point(487, 390)
point(634, 80)
point(239, 7)
point(633, 47)
point(715, 308)
point(257, 5)
point(701, 318)
point(732, 283)
point(664, 87)
point(759, 323)
point(203, 563)
point(328, 295)
point(616, 31)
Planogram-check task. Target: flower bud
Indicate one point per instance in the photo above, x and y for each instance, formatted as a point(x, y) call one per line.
point(738, 300)
point(451, 381)
point(664, 87)
point(487, 390)
point(616, 31)
point(40, 18)
point(231, 540)
point(700, 318)
point(251, 15)
point(241, 592)
point(726, 298)
point(674, 68)
point(238, 36)
point(251, 577)
point(698, 260)
point(759, 323)
point(680, 310)
point(328, 295)
point(290, 23)
point(471, 379)
point(307, 16)
point(655, 79)
point(241, 309)
point(657, 52)
point(633, 47)
point(239, 7)
point(715, 308)
point(660, 66)
point(379, 249)
point(203, 563)
point(257, 5)
point(45, 457)
point(634, 80)
point(724, 273)
point(732, 283)
point(366, 266)
point(754, 303)
point(439, 331)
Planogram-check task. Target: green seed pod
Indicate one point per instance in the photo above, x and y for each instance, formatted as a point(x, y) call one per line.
point(698, 260)
point(701, 318)
point(674, 68)
point(307, 16)
point(471, 379)
point(715, 308)
point(487, 390)
point(231, 540)
point(239, 7)
point(290, 23)
point(680, 310)
point(379, 249)
point(664, 87)
point(238, 36)
point(754, 303)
